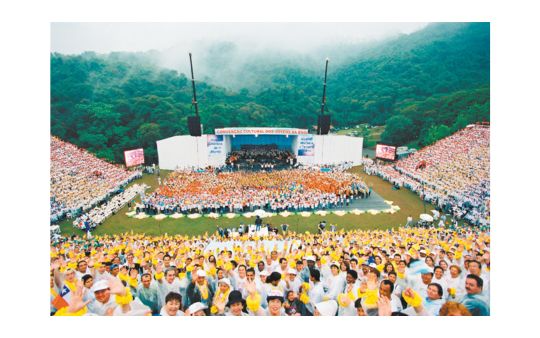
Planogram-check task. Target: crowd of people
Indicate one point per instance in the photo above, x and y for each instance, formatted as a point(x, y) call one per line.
point(453, 174)
point(426, 272)
point(97, 215)
point(222, 192)
point(260, 157)
point(80, 180)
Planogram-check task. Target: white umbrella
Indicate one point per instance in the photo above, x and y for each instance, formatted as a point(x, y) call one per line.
point(259, 212)
point(426, 217)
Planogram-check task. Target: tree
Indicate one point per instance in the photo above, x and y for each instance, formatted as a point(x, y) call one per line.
point(92, 141)
point(436, 133)
point(397, 131)
point(148, 134)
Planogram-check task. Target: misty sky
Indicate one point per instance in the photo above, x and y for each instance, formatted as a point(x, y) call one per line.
point(75, 38)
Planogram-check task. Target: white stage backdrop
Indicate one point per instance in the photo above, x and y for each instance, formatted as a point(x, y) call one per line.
point(333, 149)
point(188, 152)
point(193, 152)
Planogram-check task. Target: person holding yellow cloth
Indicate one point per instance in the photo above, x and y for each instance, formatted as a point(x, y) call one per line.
point(200, 291)
point(349, 295)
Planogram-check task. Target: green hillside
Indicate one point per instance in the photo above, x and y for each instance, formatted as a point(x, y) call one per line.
point(422, 86)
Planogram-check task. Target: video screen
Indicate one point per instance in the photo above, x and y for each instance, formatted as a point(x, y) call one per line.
point(134, 157)
point(385, 152)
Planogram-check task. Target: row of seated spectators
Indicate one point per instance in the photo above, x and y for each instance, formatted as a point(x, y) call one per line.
point(80, 180)
point(97, 215)
point(453, 174)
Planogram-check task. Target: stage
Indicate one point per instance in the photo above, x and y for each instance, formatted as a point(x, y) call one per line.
point(190, 152)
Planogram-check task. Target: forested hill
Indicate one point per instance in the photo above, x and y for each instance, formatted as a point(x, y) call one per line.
point(423, 86)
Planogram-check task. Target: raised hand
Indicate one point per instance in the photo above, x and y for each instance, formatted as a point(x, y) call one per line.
point(251, 287)
point(76, 303)
point(363, 287)
point(55, 265)
point(384, 306)
point(409, 292)
point(220, 304)
point(116, 286)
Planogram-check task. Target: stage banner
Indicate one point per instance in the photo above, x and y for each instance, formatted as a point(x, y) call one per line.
point(260, 131)
point(215, 144)
point(306, 145)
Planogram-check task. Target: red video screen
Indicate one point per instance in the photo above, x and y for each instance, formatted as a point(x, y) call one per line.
point(134, 157)
point(385, 152)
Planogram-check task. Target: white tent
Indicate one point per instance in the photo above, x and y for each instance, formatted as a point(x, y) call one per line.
point(426, 217)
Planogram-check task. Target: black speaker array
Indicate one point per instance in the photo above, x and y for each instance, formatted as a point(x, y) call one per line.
point(194, 125)
point(323, 124)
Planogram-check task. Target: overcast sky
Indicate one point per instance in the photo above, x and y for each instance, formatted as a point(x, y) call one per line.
point(75, 38)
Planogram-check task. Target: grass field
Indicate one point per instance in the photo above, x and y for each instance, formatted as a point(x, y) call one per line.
point(371, 135)
point(409, 203)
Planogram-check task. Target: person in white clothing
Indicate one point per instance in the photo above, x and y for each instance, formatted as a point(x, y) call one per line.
point(271, 262)
point(334, 283)
point(346, 305)
point(420, 284)
point(196, 309)
point(173, 304)
point(430, 305)
point(283, 267)
point(101, 273)
point(293, 282)
point(239, 278)
point(169, 283)
point(455, 284)
point(439, 278)
point(475, 268)
point(386, 289)
point(392, 276)
point(103, 303)
point(316, 292)
point(82, 269)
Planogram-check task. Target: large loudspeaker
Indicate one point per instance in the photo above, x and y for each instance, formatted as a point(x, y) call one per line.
point(323, 125)
point(194, 125)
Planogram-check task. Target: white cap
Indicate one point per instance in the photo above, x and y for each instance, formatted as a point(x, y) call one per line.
point(292, 271)
point(196, 307)
point(327, 308)
point(373, 265)
point(264, 273)
point(100, 285)
point(201, 273)
point(225, 281)
point(274, 294)
point(310, 258)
